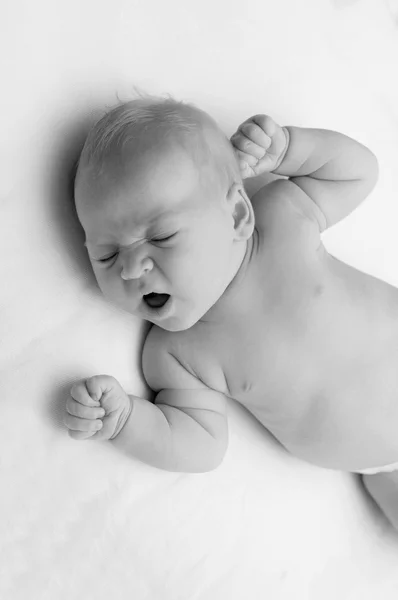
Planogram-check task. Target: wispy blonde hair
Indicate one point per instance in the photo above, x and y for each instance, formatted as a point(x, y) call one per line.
point(148, 117)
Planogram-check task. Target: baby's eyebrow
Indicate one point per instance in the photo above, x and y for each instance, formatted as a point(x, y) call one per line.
point(164, 216)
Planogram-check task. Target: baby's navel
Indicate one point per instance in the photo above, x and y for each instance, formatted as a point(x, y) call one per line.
point(246, 386)
point(318, 290)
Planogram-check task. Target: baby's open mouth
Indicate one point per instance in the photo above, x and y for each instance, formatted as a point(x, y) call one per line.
point(155, 300)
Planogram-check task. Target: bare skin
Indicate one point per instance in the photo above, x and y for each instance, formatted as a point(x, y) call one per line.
point(308, 344)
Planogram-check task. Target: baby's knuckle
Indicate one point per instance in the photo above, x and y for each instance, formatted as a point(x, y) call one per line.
point(243, 143)
point(94, 380)
point(77, 390)
point(270, 126)
point(250, 128)
point(105, 380)
point(91, 381)
point(259, 119)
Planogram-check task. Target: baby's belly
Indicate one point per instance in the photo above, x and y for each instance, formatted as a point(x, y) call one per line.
point(347, 424)
point(335, 403)
point(319, 371)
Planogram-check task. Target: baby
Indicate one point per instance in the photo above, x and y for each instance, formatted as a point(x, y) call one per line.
point(245, 301)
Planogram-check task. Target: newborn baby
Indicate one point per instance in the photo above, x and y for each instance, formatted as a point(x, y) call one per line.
point(245, 301)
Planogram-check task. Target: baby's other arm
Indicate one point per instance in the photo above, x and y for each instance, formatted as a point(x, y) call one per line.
point(334, 170)
point(186, 428)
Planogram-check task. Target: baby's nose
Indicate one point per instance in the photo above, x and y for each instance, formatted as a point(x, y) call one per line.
point(133, 266)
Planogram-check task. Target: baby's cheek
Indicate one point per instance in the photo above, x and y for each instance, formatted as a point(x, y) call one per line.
point(114, 290)
point(98, 278)
point(105, 282)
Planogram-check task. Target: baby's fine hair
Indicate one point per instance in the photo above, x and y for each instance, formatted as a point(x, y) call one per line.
point(153, 116)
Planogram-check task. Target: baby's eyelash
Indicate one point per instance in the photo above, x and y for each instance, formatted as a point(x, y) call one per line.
point(103, 260)
point(164, 239)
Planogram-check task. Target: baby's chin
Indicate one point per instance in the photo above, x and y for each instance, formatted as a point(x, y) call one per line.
point(180, 320)
point(176, 323)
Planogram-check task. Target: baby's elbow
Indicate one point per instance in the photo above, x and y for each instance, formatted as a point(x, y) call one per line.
point(366, 180)
point(207, 459)
point(371, 171)
point(210, 462)
point(213, 444)
point(217, 456)
point(374, 167)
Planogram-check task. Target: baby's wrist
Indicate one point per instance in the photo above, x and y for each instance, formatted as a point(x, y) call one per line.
point(283, 153)
point(124, 417)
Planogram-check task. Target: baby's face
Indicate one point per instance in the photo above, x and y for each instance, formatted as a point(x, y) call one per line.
point(152, 229)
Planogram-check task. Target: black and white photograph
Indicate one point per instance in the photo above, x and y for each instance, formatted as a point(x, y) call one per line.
point(199, 300)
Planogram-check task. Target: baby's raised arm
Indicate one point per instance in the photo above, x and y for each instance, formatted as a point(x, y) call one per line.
point(335, 171)
point(186, 428)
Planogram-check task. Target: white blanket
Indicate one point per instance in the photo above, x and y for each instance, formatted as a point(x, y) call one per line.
point(78, 519)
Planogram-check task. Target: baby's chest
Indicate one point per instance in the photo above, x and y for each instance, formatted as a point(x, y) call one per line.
point(257, 367)
point(331, 419)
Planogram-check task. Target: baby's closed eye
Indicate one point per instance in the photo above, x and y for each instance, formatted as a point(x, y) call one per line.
point(106, 258)
point(164, 239)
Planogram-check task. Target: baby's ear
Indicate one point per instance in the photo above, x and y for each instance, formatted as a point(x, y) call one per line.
point(243, 214)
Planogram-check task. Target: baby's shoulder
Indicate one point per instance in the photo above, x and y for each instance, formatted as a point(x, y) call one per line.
point(153, 354)
point(161, 359)
point(283, 211)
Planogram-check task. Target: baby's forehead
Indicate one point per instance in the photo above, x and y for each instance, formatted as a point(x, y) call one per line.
point(167, 188)
point(123, 208)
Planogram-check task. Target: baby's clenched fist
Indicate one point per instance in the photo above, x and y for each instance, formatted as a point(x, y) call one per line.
point(97, 408)
point(260, 145)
